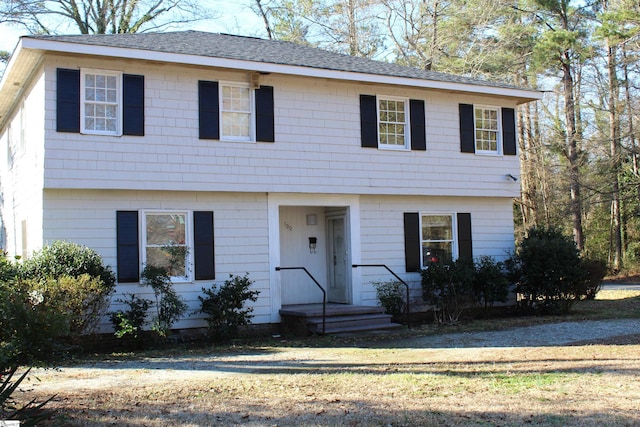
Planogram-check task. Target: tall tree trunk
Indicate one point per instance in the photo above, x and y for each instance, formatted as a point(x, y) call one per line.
point(615, 159)
point(572, 153)
point(353, 32)
point(632, 136)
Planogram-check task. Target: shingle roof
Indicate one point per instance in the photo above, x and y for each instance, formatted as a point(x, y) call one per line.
point(260, 50)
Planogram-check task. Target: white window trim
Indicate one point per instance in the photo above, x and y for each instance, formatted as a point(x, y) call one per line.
point(118, 75)
point(498, 110)
point(454, 233)
point(188, 240)
point(407, 124)
point(252, 112)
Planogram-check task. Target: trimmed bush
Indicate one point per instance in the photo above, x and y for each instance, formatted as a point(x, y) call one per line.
point(449, 287)
point(75, 276)
point(548, 272)
point(31, 326)
point(391, 296)
point(68, 259)
point(224, 306)
point(490, 284)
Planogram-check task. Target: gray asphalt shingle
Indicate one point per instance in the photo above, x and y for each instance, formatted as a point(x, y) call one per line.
point(259, 50)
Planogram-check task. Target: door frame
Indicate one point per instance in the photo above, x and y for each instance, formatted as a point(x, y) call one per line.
point(349, 202)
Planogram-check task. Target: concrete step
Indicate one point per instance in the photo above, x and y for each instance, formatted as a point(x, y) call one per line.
point(315, 323)
point(340, 319)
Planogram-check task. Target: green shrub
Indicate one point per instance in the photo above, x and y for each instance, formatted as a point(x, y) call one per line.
point(8, 269)
point(130, 322)
point(548, 271)
point(595, 271)
point(170, 307)
point(75, 276)
point(392, 297)
point(31, 326)
point(225, 306)
point(68, 259)
point(449, 287)
point(490, 284)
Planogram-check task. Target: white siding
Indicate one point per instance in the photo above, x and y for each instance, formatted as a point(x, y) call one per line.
point(240, 227)
point(21, 172)
point(382, 220)
point(317, 148)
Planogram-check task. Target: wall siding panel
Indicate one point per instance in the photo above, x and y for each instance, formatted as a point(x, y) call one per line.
point(317, 124)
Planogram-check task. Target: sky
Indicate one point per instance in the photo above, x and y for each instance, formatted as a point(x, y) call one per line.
point(236, 18)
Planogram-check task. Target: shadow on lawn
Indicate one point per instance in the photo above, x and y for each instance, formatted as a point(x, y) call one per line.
point(317, 366)
point(322, 412)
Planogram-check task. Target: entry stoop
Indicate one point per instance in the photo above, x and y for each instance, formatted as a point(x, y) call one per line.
point(306, 319)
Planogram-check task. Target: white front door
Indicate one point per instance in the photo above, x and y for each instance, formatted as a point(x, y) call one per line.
point(338, 260)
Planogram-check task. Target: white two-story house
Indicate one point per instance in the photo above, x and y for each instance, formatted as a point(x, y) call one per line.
point(252, 154)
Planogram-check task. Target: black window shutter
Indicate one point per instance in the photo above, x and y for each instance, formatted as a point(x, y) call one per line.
point(418, 134)
point(467, 129)
point(208, 110)
point(509, 131)
point(132, 104)
point(368, 121)
point(264, 114)
point(465, 248)
point(68, 100)
point(412, 241)
point(128, 252)
point(203, 248)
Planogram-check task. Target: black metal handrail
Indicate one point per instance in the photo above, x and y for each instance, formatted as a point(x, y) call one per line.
point(407, 308)
point(324, 293)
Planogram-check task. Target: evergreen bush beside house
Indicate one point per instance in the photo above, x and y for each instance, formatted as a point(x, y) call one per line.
point(549, 274)
point(392, 296)
point(224, 306)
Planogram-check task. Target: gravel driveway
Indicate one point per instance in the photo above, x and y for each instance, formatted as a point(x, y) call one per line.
point(552, 334)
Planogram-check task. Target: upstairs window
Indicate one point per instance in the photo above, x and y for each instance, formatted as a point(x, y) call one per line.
point(392, 123)
point(236, 112)
point(487, 130)
point(487, 124)
point(101, 102)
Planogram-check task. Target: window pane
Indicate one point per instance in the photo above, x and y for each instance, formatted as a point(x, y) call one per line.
point(436, 227)
point(110, 111)
point(165, 229)
point(89, 94)
point(112, 95)
point(158, 257)
point(436, 252)
point(110, 125)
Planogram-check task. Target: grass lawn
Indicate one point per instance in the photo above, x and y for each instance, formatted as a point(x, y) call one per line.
point(329, 381)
